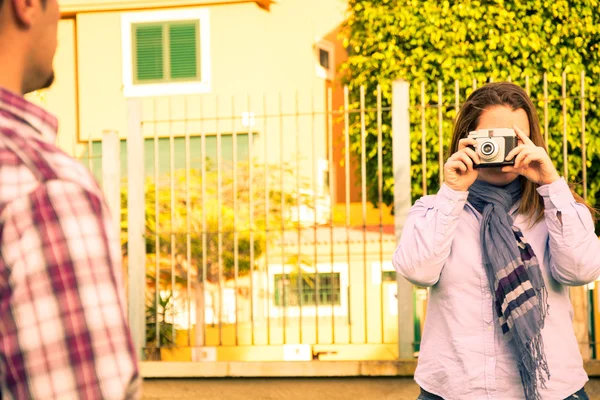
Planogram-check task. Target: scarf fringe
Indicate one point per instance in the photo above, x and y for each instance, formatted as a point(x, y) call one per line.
point(533, 365)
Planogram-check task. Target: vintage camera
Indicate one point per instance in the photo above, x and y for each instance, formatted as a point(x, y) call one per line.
point(493, 145)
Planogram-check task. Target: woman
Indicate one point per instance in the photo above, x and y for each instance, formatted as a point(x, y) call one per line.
point(499, 248)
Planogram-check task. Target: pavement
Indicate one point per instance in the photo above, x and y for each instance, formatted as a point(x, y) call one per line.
point(293, 388)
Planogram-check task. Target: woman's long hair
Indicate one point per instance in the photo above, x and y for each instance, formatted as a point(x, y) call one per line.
point(508, 95)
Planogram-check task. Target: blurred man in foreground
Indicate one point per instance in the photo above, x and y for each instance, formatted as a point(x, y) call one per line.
point(63, 328)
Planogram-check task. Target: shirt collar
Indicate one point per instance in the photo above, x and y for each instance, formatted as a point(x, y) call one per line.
point(39, 119)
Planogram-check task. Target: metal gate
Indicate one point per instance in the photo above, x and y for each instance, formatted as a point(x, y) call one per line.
point(246, 230)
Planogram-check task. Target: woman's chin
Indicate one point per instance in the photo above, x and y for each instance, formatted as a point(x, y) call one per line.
point(495, 176)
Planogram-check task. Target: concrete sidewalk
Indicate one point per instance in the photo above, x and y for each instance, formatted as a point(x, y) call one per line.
point(291, 389)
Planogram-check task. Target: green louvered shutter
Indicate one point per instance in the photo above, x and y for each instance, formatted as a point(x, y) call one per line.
point(183, 51)
point(149, 53)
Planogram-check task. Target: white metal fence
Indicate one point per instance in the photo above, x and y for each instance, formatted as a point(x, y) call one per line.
point(244, 239)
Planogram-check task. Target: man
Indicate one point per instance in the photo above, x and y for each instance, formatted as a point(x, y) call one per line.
point(63, 328)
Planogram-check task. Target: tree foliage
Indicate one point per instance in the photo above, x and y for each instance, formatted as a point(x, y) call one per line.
point(217, 218)
point(465, 41)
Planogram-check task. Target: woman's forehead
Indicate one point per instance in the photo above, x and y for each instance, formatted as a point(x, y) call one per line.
point(504, 117)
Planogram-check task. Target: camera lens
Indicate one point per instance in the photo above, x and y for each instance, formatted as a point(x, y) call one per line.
point(488, 150)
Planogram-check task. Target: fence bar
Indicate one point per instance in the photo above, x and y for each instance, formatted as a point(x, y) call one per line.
point(201, 308)
point(314, 199)
point(188, 225)
point(236, 255)
point(90, 153)
point(172, 195)
point(402, 202)
point(136, 226)
point(380, 203)
point(347, 176)
point(251, 206)
point(583, 146)
point(423, 141)
point(546, 119)
point(509, 78)
point(299, 281)
point(267, 214)
point(157, 251)
point(527, 85)
point(285, 115)
point(219, 221)
point(475, 83)
point(363, 189)
point(331, 199)
point(282, 217)
point(440, 134)
point(564, 112)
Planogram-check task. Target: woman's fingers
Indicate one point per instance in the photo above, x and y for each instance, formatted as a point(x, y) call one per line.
point(461, 156)
point(527, 156)
point(457, 165)
point(520, 157)
point(515, 152)
point(524, 138)
point(474, 156)
point(466, 142)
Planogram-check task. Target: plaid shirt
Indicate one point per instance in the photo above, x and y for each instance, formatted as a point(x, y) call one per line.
point(63, 327)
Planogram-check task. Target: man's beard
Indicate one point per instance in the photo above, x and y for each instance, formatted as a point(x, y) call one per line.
point(49, 81)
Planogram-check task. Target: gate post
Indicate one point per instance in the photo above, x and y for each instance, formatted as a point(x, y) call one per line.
point(402, 203)
point(136, 242)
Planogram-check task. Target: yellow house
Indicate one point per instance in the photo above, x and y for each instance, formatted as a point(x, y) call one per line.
point(261, 68)
point(110, 51)
point(241, 57)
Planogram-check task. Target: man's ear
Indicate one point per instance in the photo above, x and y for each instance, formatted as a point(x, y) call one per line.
point(24, 11)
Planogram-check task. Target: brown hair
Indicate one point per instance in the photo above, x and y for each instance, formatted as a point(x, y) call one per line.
point(513, 96)
point(44, 2)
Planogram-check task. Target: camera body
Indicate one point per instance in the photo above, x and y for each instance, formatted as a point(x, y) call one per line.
point(493, 145)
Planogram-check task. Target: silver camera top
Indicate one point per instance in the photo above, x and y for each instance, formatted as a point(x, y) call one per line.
point(494, 132)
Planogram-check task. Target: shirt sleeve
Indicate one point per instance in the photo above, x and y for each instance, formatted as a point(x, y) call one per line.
point(574, 248)
point(427, 236)
point(62, 310)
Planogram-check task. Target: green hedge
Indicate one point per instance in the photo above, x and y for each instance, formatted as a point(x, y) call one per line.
point(447, 41)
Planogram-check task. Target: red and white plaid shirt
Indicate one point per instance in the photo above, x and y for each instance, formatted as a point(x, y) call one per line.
point(63, 326)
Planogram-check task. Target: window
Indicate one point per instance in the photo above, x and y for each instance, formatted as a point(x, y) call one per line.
point(305, 290)
point(325, 60)
point(389, 276)
point(164, 161)
point(166, 53)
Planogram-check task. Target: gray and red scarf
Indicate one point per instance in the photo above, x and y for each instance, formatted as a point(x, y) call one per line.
point(515, 277)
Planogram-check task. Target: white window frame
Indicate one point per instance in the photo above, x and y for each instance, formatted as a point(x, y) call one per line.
point(130, 89)
point(340, 310)
point(322, 72)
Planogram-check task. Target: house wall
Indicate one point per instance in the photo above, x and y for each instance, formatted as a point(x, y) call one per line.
point(256, 56)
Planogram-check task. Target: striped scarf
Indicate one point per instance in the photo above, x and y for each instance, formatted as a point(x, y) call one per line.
point(515, 278)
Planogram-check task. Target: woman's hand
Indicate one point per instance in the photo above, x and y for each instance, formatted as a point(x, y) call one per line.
point(459, 173)
point(531, 161)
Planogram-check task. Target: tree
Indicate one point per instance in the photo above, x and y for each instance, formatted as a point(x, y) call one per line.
point(451, 41)
point(218, 246)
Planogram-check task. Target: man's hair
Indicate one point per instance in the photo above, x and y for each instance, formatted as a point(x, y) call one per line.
point(44, 2)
